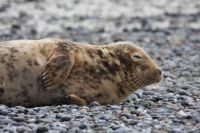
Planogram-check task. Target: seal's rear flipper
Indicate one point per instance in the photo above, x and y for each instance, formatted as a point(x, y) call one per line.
point(73, 99)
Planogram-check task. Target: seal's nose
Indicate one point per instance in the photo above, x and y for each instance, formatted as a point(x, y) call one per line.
point(159, 71)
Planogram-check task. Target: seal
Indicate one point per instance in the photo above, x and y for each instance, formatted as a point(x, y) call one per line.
point(55, 71)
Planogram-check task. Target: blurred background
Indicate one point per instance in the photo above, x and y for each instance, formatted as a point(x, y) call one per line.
point(100, 21)
point(169, 30)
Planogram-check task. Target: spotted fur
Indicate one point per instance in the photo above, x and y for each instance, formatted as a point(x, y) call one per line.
point(53, 71)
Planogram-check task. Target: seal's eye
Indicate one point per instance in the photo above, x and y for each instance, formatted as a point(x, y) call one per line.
point(136, 57)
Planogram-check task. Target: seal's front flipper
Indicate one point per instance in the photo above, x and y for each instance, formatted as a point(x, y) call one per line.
point(57, 69)
point(73, 99)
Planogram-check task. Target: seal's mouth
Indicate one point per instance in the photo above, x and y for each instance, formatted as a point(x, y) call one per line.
point(159, 79)
point(153, 76)
point(159, 75)
point(145, 78)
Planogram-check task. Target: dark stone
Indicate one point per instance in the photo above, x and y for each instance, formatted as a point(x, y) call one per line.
point(42, 129)
point(83, 126)
point(94, 104)
point(64, 117)
point(3, 111)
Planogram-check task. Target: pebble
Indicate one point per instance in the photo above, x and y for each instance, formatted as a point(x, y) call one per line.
point(198, 104)
point(31, 112)
point(133, 122)
point(23, 129)
point(188, 87)
point(139, 93)
point(5, 121)
point(31, 120)
point(19, 119)
point(58, 128)
point(3, 111)
point(187, 101)
point(83, 126)
point(64, 117)
point(184, 92)
point(20, 109)
point(94, 104)
point(123, 130)
point(114, 126)
point(74, 130)
point(42, 129)
point(182, 113)
point(176, 130)
point(43, 120)
point(55, 131)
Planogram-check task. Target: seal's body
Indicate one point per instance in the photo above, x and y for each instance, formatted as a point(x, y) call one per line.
point(53, 71)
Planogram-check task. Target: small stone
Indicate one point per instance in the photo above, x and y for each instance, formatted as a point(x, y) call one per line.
point(122, 130)
point(43, 120)
point(58, 127)
point(8, 130)
point(184, 92)
point(118, 37)
point(100, 30)
point(126, 115)
point(15, 27)
point(113, 107)
point(5, 121)
point(74, 130)
point(80, 116)
point(84, 109)
point(182, 113)
point(139, 93)
point(198, 103)
point(19, 119)
point(55, 131)
point(133, 122)
point(187, 101)
point(114, 126)
point(13, 109)
point(64, 117)
point(176, 130)
point(188, 87)
point(133, 111)
point(148, 93)
point(3, 111)
point(31, 112)
point(94, 104)
point(195, 130)
point(74, 110)
point(168, 74)
point(157, 99)
point(32, 120)
point(23, 129)
point(103, 117)
point(20, 109)
point(194, 117)
point(36, 109)
point(33, 125)
point(83, 126)
point(141, 109)
point(16, 124)
point(12, 114)
point(42, 129)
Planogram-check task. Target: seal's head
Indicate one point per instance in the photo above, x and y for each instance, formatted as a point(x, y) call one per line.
point(139, 69)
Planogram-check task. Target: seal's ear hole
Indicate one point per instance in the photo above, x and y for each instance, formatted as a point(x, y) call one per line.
point(136, 57)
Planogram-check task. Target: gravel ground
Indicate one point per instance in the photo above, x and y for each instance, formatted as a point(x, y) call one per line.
point(168, 30)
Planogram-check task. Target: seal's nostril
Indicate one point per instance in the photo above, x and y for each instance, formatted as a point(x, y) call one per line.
point(159, 71)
